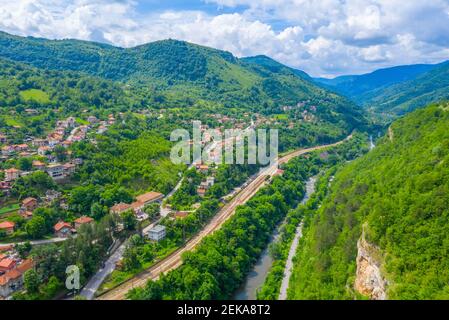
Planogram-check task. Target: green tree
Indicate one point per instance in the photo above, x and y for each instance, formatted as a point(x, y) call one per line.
point(36, 227)
point(32, 281)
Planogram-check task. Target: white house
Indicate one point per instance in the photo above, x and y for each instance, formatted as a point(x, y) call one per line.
point(157, 233)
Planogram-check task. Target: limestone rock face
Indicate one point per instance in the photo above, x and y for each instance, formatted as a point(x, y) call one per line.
point(369, 281)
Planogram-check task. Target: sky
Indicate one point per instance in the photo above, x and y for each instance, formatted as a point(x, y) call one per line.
point(325, 38)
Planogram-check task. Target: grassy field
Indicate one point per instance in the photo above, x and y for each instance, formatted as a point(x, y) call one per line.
point(9, 208)
point(35, 95)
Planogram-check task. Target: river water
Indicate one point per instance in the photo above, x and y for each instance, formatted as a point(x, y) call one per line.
point(258, 274)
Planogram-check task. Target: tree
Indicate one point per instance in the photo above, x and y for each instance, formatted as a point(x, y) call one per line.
point(60, 153)
point(98, 211)
point(25, 164)
point(129, 220)
point(32, 281)
point(36, 227)
point(131, 259)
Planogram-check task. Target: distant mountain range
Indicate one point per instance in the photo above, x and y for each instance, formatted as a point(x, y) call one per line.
point(182, 73)
point(396, 90)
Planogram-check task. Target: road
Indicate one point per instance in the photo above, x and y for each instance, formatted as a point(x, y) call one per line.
point(35, 242)
point(174, 260)
point(94, 283)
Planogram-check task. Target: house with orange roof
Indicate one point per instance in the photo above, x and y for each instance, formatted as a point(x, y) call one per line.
point(84, 220)
point(13, 280)
point(7, 227)
point(12, 174)
point(38, 165)
point(120, 208)
point(29, 204)
point(150, 197)
point(7, 264)
point(63, 229)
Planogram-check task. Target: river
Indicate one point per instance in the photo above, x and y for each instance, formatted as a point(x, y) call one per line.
point(258, 274)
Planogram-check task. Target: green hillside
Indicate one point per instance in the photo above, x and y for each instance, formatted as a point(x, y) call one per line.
point(398, 192)
point(404, 97)
point(177, 72)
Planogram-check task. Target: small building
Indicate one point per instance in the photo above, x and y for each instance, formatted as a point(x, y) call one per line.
point(92, 119)
point(83, 221)
point(12, 174)
point(181, 214)
point(29, 204)
point(157, 233)
point(8, 150)
point(137, 207)
point(39, 143)
point(7, 264)
point(52, 195)
point(13, 280)
point(63, 229)
point(56, 171)
point(201, 191)
point(120, 208)
point(3, 138)
point(77, 161)
point(202, 168)
point(7, 227)
point(69, 168)
point(42, 151)
point(27, 215)
point(150, 197)
point(38, 165)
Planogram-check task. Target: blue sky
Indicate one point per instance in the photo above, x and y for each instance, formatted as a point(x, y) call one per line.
point(322, 37)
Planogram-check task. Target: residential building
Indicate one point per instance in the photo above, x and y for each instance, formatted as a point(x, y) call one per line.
point(13, 280)
point(150, 197)
point(157, 233)
point(39, 142)
point(120, 208)
point(201, 191)
point(84, 220)
point(3, 138)
point(29, 204)
point(8, 227)
point(38, 165)
point(42, 151)
point(56, 171)
point(77, 161)
point(8, 150)
point(92, 119)
point(181, 214)
point(52, 195)
point(27, 215)
point(7, 264)
point(12, 174)
point(69, 168)
point(63, 229)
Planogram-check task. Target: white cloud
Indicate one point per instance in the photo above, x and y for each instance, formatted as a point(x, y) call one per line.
point(327, 37)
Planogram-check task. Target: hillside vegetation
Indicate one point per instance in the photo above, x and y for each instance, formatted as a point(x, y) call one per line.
point(399, 193)
point(177, 72)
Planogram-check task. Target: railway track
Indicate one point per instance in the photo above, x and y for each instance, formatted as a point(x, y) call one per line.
point(174, 260)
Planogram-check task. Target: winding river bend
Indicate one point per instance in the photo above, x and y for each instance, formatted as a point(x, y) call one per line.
point(257, 276)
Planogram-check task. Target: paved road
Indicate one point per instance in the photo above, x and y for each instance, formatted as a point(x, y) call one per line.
point(35, 242)
point(94, 283)
point(175, 259)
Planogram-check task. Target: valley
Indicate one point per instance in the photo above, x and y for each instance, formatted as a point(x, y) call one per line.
point(87, 178)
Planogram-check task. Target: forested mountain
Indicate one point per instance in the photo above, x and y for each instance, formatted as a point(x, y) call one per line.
point(356, 87)
point(177, 72)
point(396, 90)
point(397, 194)
point(401, 98)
